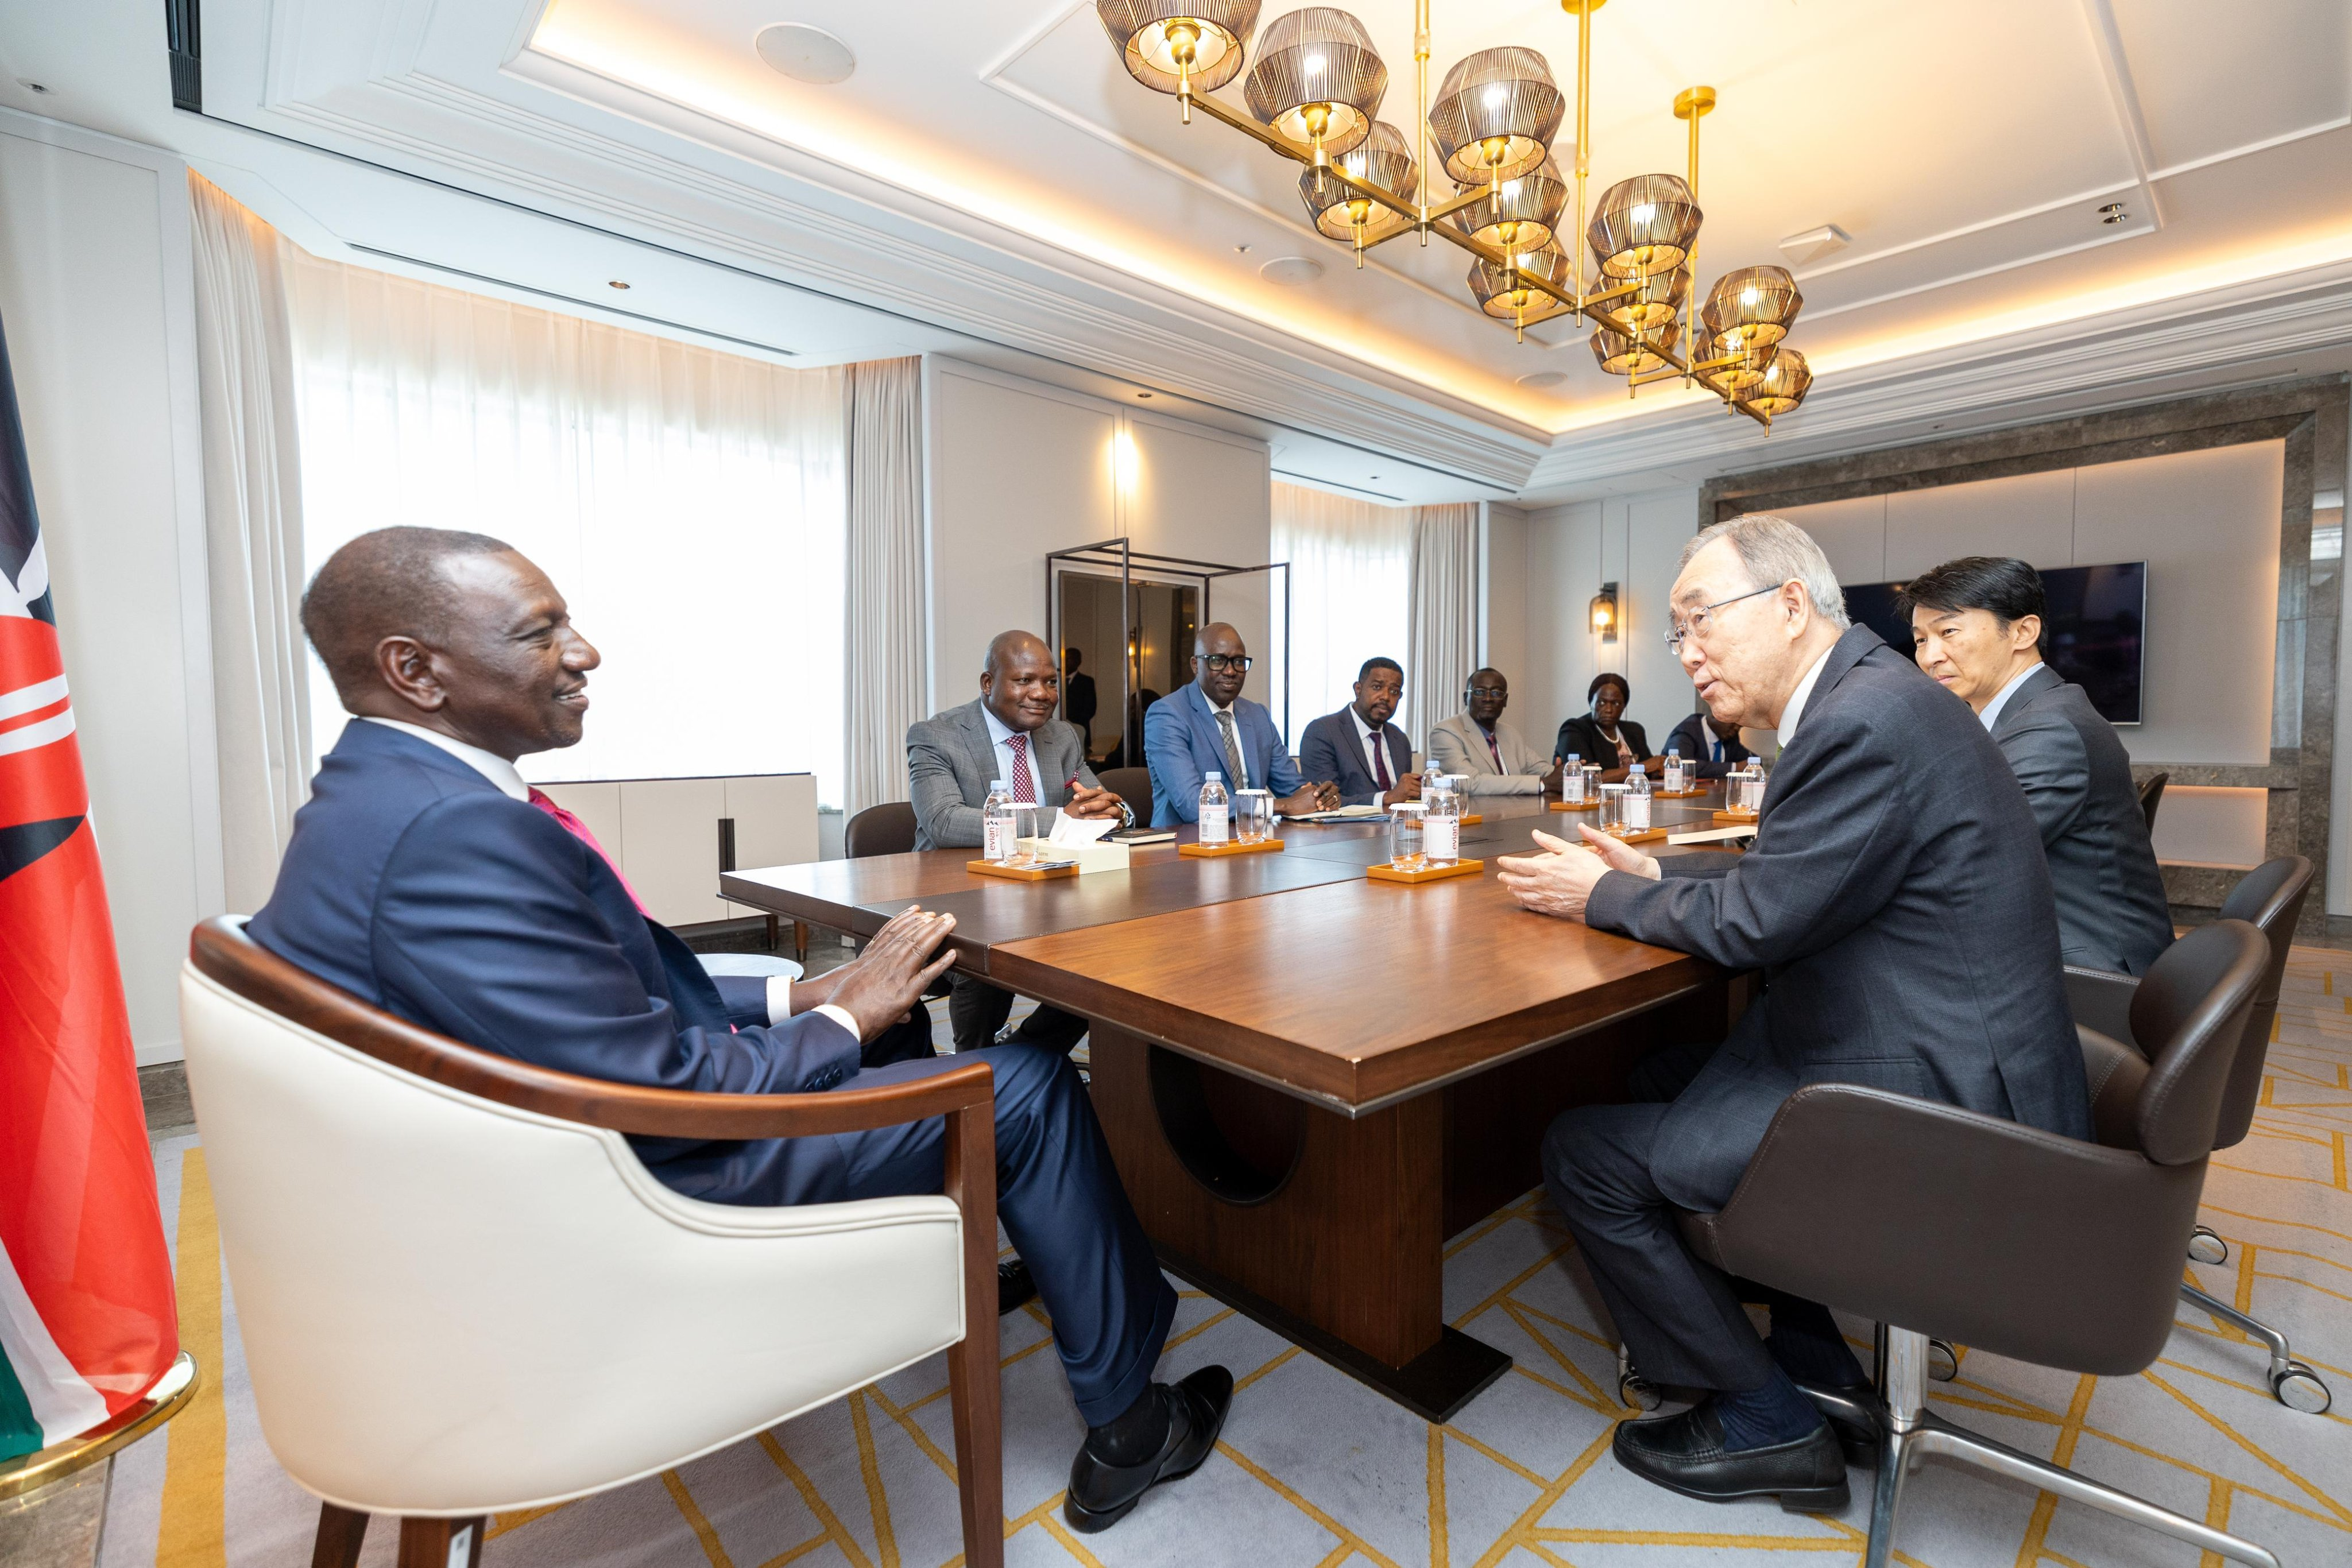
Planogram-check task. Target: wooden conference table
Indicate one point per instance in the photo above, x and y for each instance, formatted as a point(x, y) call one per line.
point(1310, 1079)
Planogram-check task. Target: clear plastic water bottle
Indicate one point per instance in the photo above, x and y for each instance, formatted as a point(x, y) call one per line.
point(1000, 824)
point(1748, 788)
point(1432, 777)
point(1442, 822)
point(1673, 781)
point(1216, 810)
point(1571, 780)
point(1637, 802)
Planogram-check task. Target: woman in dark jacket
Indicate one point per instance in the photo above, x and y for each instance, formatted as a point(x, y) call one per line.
point(1605, 735)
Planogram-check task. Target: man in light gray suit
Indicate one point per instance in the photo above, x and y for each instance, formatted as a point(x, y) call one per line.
point(1008, 732)
point(1489, 755)
point(1898, 906)
point(1977, 621)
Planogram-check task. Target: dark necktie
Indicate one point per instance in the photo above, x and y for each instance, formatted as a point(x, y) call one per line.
point(1023, 783)
point(1493, 751)
point(1234, 749)
point(1380, 762)
point(1718, 749)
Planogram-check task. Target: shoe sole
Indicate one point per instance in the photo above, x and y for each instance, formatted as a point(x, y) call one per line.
point(1793, 1500)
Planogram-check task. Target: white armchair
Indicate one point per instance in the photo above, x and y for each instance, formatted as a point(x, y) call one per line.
point(461, 1293)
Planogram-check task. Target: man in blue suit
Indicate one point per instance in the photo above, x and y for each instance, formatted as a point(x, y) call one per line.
point(427, 878)
point(1209, 726)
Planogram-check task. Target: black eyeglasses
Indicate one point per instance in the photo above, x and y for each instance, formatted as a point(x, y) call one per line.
point(1223, 662)
point(1487, 691)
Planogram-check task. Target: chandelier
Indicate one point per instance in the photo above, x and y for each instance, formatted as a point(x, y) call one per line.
point(1627, 266)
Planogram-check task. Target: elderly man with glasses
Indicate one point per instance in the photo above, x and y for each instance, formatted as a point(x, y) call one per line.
point(1209, 726)
point(1899, 909)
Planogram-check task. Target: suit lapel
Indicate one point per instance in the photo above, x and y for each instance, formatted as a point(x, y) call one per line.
point(2042, 679)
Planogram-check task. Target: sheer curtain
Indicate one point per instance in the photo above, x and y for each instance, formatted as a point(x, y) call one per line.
point(688, 504)
point(1444, 619)
point(888, 650)
point(1349, 563)
point(253, 536)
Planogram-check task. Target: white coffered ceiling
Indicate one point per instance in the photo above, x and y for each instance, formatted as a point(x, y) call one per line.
point(990, 173)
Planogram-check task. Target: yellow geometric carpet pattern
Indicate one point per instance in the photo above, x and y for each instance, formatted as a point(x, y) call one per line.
point(1318, 1472)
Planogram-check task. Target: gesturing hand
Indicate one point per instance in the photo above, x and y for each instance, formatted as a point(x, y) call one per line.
point(889, 978)
point(1559, 881)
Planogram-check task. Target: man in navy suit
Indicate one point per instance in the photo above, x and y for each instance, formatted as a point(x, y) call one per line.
point(1368, 758)
point(1209, 726)
point(427, 878)
point(1713, 742)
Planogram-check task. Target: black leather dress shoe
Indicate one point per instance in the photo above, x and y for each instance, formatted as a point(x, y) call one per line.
point(1684, 1453)
point(1101, 1494)
point(1015, 1287)
point(1855, 1413)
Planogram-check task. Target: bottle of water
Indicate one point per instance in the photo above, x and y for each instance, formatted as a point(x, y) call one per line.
point(1442, 825)
point(1216, 813)
point(1571, 780)
point(1673, 779)
point(1637, 802)
point(1432, 778)
point(1001, 824)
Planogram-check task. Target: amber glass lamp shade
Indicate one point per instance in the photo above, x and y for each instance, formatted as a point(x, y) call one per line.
point(1318, 79)
point(1783, 384)
point(1624, 356)
point(1644, 224)
point(1751, 307)
point(1164, 42)
point(1384, 160)
point(1655, 300)
point(1521, 213)
point(1504, 296)
point(1495, 114)
point(1747, 367)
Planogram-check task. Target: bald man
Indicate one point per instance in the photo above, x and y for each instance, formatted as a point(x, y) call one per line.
point(1209, 726)
point(1008, 732)
point(425, 878)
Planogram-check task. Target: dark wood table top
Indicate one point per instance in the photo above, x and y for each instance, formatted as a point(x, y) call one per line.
point(1292, 969)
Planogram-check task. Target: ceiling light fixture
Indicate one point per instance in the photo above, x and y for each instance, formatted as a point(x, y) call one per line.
point(616, 283)
point(814, 56)
point(1314, 93)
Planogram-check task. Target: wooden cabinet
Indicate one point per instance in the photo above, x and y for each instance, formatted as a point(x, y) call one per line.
point(669, 834)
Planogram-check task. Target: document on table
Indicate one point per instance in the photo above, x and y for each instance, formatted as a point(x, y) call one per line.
point(1344, 814)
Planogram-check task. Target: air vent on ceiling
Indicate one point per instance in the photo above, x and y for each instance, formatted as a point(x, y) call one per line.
point(180, 35)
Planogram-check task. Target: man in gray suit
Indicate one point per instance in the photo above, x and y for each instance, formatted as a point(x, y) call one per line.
point(1488, 754)
point(1898, 906)
point(1008, 732)
point(1977, 621)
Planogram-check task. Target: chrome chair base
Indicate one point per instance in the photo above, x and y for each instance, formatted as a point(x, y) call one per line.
point(1915, 1433)
point(2293, 1383)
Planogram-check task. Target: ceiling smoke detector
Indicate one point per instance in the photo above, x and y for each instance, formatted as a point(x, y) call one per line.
point(1806, 249)
point(805, 53)
point(1541, 379)
point(1291, 271)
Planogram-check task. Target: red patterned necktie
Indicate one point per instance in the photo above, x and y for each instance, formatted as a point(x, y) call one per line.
point(1381, 763)
point(1025, 783)
point(579, 830)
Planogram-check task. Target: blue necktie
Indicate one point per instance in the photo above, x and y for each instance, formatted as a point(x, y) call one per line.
point(1718, 749)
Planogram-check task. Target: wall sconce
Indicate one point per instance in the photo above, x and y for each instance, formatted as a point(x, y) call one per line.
point(1605, 613)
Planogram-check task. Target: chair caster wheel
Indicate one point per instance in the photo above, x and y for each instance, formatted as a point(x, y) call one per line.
point(1943, 1361)
point(2206, 1246)
point(2299, 1388)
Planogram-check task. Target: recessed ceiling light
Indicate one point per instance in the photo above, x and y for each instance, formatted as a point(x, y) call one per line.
point(1240, 250)
point(1291, 271)
point(616, 283)
point(1143, 394)
point(804, 53)
point(1544, 378)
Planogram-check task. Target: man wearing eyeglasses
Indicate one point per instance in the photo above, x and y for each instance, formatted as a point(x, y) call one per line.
point(1899, 909)
point(1210, 726)
point(1489, 755)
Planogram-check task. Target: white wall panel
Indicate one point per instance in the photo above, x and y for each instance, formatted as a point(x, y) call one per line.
point(2028, 516)
point(1852, 534)
point(669, 828)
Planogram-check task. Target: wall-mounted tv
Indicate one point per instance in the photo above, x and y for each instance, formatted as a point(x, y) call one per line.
point(2092, 631)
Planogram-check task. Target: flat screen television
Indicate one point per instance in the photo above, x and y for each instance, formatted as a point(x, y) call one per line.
point(2092, 631)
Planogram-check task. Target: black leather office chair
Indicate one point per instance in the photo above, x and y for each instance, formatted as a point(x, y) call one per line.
point(2150, 794)
point(1931, 1219)
point(884, 829)
point(2270, 898)
point(1132, 785)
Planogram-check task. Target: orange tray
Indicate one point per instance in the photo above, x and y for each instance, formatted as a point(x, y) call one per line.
point(1576, 805)
point(1219, 851)
point(1386, 872)
point(1646, 836)
point(1019, 872)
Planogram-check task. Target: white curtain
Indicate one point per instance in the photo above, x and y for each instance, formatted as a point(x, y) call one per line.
point(688, 503)
point(253, 530)
point(887, 649)
point(1444, 599)
point(1349, 572)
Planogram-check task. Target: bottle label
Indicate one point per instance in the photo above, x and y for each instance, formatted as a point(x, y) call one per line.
point(997, 838)
point(1443, 837)
point(1215, 825)
point(1637, 811)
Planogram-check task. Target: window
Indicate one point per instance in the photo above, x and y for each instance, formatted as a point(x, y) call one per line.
point(688, 503)
point(1350, 565)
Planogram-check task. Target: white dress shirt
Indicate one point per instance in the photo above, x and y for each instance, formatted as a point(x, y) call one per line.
point(502, 773)
point(1374, 744)
point(1991, 714)
point(1801, 696)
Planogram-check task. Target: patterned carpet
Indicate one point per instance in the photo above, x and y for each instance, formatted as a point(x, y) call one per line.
point(1316, 1471)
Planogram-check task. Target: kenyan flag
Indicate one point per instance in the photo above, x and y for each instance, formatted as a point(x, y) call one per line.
point(86, 1319)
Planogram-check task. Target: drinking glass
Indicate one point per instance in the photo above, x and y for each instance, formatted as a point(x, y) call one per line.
point(1612, 808)
point(1405, 839)
point(1252, 815)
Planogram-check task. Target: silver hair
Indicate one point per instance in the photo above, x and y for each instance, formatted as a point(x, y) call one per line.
point(1776, 550)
